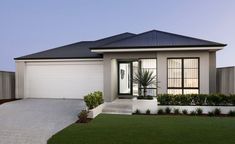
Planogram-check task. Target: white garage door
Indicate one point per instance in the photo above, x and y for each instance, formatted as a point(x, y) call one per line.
point(63, 79)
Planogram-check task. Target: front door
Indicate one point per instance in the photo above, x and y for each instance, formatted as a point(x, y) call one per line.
point(125, 78)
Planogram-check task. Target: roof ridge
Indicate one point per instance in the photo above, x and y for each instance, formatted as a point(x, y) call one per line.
point(113, 36)
point(135, 35)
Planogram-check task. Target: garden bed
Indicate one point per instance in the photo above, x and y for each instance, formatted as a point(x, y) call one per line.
point(7, 100)
point(205, 109)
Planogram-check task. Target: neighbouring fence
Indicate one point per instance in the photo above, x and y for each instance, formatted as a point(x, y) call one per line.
point(226, 80)
point(7, 85)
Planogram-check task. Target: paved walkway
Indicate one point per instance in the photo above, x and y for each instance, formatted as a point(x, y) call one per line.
point(34, 121)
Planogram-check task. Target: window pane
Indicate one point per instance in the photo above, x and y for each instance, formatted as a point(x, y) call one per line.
point(148, 63)
point(151, 66)
point(190, 73)
point(190, 63)
point(174, 83)
point(150, 92)
point(174, 91)
point(190, 91)
point(135, 70)
point(174, 73)
point(174, 63)
point(191, 83)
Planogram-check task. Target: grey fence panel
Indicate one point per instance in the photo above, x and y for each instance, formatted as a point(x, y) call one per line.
point(7, 85)
point(226, 80)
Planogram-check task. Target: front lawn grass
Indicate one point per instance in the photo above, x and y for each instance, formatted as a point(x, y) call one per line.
point(141, 129)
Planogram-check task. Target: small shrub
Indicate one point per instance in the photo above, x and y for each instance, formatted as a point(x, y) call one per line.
point(160, 112)
point(199, 111)
point(232, 99)
point(148, 112)
point(211, 113)
point(94, 99)
point(137, 111)
point(176, 111)
point(217, 111)
point(82, 117)
point(231, 113)
point(192, 113)
point(168, 110)
point(185, 112)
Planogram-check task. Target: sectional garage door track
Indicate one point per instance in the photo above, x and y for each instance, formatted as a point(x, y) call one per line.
point(33, 121)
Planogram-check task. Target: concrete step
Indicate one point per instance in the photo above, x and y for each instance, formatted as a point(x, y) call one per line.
point(118, 107)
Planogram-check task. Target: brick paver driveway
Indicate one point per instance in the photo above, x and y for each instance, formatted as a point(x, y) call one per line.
point(34, 121)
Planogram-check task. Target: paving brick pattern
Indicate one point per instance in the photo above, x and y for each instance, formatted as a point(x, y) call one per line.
point(34, 121)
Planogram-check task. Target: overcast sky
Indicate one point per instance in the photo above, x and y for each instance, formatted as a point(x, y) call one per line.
point(28, 26)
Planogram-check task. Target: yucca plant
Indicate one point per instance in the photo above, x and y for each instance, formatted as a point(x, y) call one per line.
point(145, 78)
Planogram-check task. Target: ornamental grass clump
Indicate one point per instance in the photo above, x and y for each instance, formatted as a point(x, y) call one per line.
point(185, 112)
point(168, 110)
point(199, 111)
point(176, 111)
point(145, 78)
point(160, 112)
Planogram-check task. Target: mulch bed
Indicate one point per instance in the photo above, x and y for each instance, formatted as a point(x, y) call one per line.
point(7, 100)
point(87, 121)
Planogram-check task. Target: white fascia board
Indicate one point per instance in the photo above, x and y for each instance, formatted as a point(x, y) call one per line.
point(58, 60)
point(156, 49)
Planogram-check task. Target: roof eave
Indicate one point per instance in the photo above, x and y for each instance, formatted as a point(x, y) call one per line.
point(142, 49)
point(55, 58)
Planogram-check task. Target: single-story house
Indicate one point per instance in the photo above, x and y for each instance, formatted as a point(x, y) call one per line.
point(182, 64)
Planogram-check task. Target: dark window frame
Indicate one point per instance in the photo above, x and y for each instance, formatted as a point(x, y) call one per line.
point(140, 68)
point(182, 74)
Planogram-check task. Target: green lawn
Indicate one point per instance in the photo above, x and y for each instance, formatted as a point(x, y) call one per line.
point(140, 129)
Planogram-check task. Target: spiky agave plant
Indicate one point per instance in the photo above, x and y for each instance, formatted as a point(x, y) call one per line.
point(144, 78)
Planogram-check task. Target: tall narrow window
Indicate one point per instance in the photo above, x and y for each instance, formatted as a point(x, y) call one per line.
point(149, 65)
point(183, 76)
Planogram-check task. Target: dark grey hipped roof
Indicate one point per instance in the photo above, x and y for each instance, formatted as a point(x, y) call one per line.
point(148, 39)
point(76, 50)
point(158, 39)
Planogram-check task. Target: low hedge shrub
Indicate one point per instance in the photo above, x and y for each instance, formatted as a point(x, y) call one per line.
point(94, 99)
point(197, 99)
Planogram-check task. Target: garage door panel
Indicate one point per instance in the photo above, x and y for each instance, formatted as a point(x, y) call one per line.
point(63, 80)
